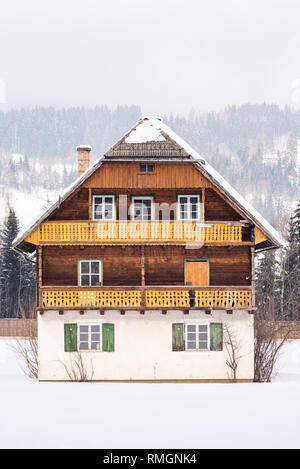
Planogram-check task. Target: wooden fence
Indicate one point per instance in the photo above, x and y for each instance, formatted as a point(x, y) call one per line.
point(17, 327)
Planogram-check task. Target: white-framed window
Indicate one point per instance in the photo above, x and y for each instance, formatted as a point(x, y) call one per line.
point(104, 207)
point(189, 207)
point(142, 208)
point(89, 337)
point(197, 336)
point(90, 272)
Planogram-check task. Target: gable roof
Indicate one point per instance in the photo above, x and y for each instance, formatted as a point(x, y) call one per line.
point(151, 138)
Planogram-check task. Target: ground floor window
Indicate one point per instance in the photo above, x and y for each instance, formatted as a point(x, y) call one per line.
point(89, 337)
point(197, 336)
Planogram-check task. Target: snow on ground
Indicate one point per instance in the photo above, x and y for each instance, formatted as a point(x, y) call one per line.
point(139, 415)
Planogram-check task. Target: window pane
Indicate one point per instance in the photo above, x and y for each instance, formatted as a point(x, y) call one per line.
point(84, 328)
point(85, 280)
point(183, 200)
point(95, 345)
point(191, 345)
point(194, 200)
point(84, 337)
point(143, 168)
point(202, 336)
point(95, 267)
point(202, 328)
point(191, 336)
point(108, 214)
point(95, 328)
point(84, 346)
point(95, 337)
point(98, 212)
point(191, 328)
point(202, 345)
point(98, 200)
point(95, 280)
point(85, 267)
point(150, 168)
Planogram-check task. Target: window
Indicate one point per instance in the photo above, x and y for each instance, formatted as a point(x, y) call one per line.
point(104, 207)
point(142, 208)
point(189, 207)
point(89, 337)
point(147, 168)
point(90, 272)
point(197, 336)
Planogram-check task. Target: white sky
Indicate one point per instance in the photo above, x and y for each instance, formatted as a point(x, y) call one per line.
point(166, 55)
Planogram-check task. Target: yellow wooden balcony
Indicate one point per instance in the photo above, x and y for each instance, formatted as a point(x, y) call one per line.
point(149, 297)
point(130, 232)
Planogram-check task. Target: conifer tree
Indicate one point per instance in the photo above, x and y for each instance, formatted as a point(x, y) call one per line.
point(291, 270)
point(267, 287)
point(17, 275)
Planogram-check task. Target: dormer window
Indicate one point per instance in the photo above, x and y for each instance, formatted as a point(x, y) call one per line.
point(104, 207)
point(146, 168)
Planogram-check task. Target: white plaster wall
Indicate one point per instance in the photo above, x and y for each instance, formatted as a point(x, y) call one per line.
point(143, 346)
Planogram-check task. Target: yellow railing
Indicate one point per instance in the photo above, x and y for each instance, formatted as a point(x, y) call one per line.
point(69, 232)
point(163, 297)
point(87, 298)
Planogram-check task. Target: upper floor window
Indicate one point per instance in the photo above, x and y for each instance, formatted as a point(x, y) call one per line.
point(104, 207)
point(189, 207)
point(146, 168)
point(90, 272)
point(142, 208)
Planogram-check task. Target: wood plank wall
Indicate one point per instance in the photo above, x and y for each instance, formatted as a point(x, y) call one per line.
point(169, 180)
point(163, 266)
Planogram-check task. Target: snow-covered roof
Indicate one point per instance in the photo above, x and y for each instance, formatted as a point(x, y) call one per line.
point(152, 129)
point(144, 133)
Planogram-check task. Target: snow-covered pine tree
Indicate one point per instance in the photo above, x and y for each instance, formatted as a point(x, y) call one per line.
point(291, 270)
point(17, 275)
point(267, 287)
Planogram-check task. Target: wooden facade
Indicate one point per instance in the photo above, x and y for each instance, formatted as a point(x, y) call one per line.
point(144, 264)
point(163, 261)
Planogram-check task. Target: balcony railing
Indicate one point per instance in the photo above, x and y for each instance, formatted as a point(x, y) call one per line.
point(155, 297)
point(120, 232)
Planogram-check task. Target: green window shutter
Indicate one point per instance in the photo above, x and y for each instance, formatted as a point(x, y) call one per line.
point(70, 337)
point(216, 336)
point(178, 337)
point(108, 337)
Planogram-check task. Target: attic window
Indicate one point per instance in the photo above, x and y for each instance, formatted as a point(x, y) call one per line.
point(146, 168)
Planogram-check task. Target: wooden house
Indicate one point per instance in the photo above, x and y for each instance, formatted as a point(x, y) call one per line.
point(143, 261)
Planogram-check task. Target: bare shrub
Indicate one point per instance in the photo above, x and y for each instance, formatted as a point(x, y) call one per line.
point(27, 348)
point(232, 347)
point(270, 336)
point(77, 369)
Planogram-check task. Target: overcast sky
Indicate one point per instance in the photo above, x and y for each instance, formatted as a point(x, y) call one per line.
point(166, 55)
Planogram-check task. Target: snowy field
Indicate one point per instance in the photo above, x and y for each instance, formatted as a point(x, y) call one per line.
point(106, 415)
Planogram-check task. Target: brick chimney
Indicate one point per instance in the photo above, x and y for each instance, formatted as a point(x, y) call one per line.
point(83, 158)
